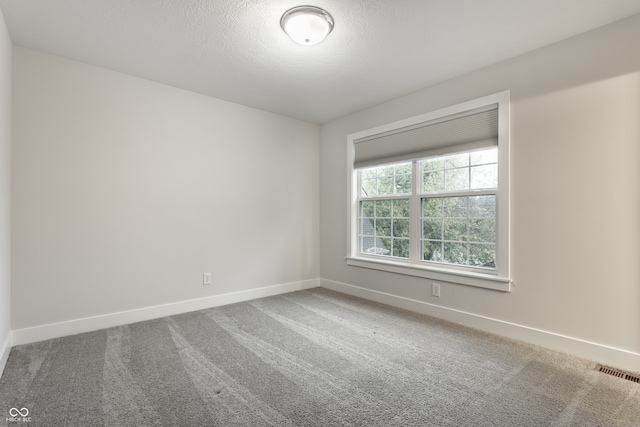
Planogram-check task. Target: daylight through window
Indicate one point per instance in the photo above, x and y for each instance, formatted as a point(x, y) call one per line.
point(457, 198)
point(430, 197)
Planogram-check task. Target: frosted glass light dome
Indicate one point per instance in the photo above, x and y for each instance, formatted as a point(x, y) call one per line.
point(307, 25)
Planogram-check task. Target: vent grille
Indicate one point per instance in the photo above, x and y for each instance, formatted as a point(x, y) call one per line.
point(618, 373)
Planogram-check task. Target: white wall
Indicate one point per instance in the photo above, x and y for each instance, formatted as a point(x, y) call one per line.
point(126, 191)
point(575, 168)
point(5, 192)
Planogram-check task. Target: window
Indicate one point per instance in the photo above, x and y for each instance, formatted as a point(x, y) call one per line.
point(384, 210)
point(429, 195)
point(458, 214)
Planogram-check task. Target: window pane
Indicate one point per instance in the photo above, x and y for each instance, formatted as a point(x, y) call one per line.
point(483, 157)
point(386, 245)
point(455, 253)
point(455, 229)
point(432, 208)
point(401, 208)
point(367, 209)
point(456, 160)
point(403, 169)
point(366, 227)
point(482, 255)
point(386, 180)
point(383, 208)
point(433, 181)
point(383, 227)
point(369, 187)
point(484, 176)
point(370, 173)
point(432, 251)
point(455, 207)
point(385, 185)
point(401, 248)
point(482, 230)
point(433, 164)
point(367, 244)
point(432, 229)
point(482, 206)
point(403, 184)
point(400, 228)
point(456, 179)
point(376, 248)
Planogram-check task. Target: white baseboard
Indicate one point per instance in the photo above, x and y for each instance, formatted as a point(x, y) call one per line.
point(600, 353)
point(88, 324)
point(5, 349)
point(606, 355)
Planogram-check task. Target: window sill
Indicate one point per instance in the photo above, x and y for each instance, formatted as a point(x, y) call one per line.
point(480, 280)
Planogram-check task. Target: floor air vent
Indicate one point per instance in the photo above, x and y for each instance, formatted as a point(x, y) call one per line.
point(617, 373)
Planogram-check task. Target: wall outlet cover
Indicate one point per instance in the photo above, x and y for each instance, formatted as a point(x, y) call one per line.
point(435, 290)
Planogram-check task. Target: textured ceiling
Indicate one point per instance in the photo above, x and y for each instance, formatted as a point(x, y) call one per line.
point(235, 49)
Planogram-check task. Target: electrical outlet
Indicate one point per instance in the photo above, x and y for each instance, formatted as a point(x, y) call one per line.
point(206, 279)
point(435, 290)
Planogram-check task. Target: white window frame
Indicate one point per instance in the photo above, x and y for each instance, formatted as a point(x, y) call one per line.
point(498, 279)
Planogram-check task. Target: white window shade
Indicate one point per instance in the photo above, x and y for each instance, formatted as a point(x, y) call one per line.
point(472, 129)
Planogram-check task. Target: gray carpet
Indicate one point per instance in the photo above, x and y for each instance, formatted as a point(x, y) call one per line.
point(309, 358)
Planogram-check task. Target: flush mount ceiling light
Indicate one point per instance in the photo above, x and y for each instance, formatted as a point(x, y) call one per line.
point(307, 25)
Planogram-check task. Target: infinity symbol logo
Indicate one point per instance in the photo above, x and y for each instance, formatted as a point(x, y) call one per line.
point(14, 412)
